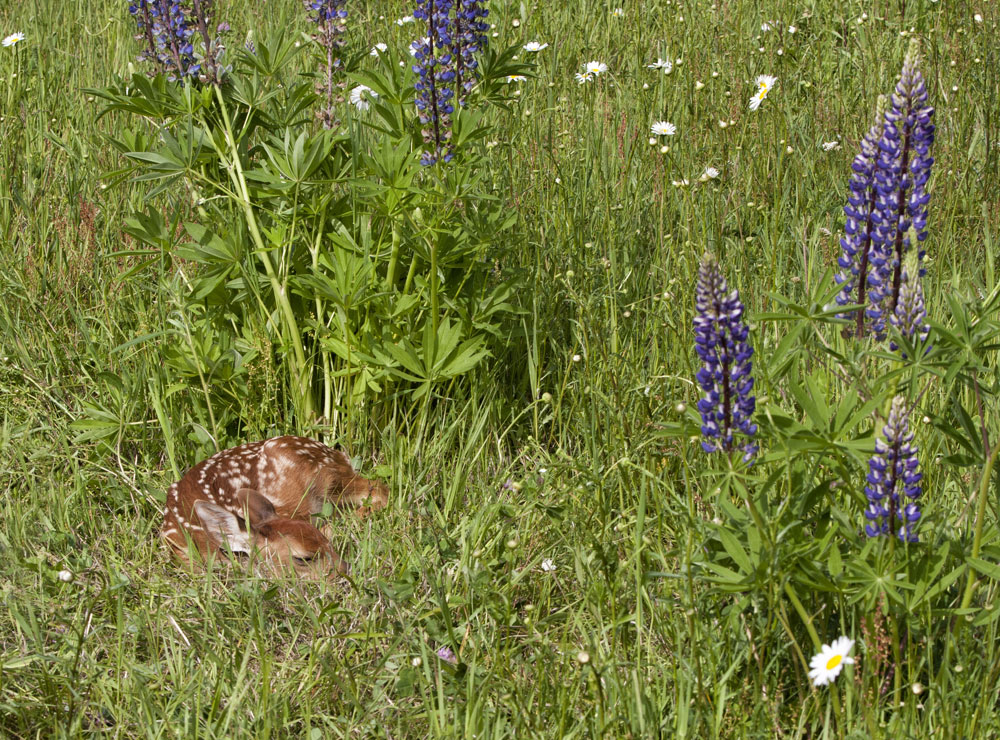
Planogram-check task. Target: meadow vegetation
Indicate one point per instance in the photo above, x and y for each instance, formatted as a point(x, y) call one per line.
point(507, 340)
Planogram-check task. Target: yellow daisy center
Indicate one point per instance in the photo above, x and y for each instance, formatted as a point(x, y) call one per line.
point(834, 662)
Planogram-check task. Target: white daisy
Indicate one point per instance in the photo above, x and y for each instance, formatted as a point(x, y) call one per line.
point(764, 84)
point(596, 68)
point(13, 39)
point(405, 19)
point(663, 128)
point(618, 12)
point(768, 25)
point(582, 78)
point(827, 665)
point(361, 95)
point(515, 78)
point(378, 49)
point(665, 64)
point(710, 173)
point(548, 566)
point(829, 146)
point(534, 46)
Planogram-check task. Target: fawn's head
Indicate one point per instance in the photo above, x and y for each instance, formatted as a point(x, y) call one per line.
point(278, 544)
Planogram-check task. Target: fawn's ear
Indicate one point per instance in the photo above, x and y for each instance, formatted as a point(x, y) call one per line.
point(222, 527)
point(259, 510)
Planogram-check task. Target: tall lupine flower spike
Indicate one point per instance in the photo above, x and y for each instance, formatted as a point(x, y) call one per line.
point(854, 263)
point(893, 479)
point(329, 16)
point(212, 70)
point(721, 342)
point(436, 71)
point(910, 314)
point(165, 30)
point(903, 169)
point(468, 39)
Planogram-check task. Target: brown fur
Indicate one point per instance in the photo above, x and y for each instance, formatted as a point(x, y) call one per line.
point(257, 499)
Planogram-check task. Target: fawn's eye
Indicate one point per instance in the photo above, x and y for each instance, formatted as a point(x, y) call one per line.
point(305, 559)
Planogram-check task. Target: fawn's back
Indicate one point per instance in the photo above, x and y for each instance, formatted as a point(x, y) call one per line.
point(258, 498)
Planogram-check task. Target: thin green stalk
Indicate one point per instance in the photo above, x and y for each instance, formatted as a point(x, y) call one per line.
point(977, 538)
point(304, 396)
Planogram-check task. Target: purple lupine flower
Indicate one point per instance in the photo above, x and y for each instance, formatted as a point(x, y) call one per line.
point(212, 69)
point(164, 28)
point(855, 245)
point(903, 169)
point(893, 479)
point(721, 342)
point(435, 69)
point(469, 37)
point(910, 314)
point(329, 16)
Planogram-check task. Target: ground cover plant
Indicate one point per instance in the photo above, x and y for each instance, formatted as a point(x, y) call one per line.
point(671, 328)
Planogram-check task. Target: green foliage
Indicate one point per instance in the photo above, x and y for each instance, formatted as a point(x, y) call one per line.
point(553, 520)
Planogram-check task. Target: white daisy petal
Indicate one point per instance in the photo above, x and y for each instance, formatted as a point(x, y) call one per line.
point(826, 665)
point(13, 39)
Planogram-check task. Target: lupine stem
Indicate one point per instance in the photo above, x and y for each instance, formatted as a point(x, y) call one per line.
point(304, 402)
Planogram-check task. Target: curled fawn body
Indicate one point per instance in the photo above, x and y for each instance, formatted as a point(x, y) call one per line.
point(257, 499)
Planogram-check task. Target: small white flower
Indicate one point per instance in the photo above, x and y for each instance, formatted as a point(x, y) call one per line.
point(764, 84)
point(698, 85)
point(768, 25)
point(618, 12)
point(710, 173)
point(13, 39)
point(680, 183)
point(829, 146)
point(977, 18)
point(665, 64)
point(361, 95)
point(516, 23)
point(548, 566)
point(829, 662)
point(792, 29)
point(515, 78)
point(663, 128)
point(378, 49)
point(534, 46)
point(596, 68)
point(405, 19)
point(65, 576)
point(582, 78)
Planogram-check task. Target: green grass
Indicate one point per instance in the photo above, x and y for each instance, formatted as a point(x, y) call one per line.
point(532, 457)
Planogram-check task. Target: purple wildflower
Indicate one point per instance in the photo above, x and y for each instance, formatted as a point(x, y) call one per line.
point(164, 30)
point(903, 169)
point(721, 343)
point(910, 314)
point(893, 479)
point(212, 71)
point(446, 654)
point(853, 262)
point(329, 16)
point(435, 69)
point(469, 37)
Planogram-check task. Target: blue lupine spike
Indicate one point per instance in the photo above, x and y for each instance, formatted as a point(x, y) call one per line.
point(903, 168)
point(330, 18)
point(909, 315)
point(721, 342)
point(893, 479)
point(164, 29)
point(435, 69)
point(469, 37)
point(854, 262)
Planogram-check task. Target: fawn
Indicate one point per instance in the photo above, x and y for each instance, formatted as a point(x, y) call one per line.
point(257, 499)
